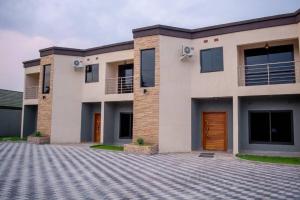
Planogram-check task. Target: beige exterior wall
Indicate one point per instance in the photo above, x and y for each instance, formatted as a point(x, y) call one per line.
point(181, 80)
point(146, 105)
point(32, 70)
point(66, 101)
point(162, 115)
point(174, 96)
point(35, 70)
point(60, 112)
point(45, 100)
point(95, 92)
point(227, 80)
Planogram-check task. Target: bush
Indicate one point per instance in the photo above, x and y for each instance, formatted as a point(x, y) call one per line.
point(140, 141)
point(37, 134)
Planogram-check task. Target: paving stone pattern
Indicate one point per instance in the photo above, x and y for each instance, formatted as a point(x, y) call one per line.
point(29, 171)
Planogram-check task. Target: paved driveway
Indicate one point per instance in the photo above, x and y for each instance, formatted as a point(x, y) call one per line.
point(76, 172)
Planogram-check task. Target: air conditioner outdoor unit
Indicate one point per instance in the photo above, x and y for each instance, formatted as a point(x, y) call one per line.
point(78, 63)
point(186, 51)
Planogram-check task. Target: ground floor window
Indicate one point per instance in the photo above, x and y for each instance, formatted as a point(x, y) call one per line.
point(274, 127)
point(125, 126)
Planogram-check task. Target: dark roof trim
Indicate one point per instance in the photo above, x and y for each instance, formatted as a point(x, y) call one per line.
point(264, 22)
point(87, 52)
point(31, 63)
point(109, 48)
point(61, 51)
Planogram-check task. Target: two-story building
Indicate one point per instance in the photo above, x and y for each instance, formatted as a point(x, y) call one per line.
point(238, 91)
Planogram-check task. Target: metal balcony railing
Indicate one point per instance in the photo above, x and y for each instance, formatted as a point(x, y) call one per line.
point(31, 92)
point(119, 85)
point(268, 73)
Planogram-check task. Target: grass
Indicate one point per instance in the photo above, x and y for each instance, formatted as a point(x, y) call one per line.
point(108, 147)
point(11, 138)
point(271, 159)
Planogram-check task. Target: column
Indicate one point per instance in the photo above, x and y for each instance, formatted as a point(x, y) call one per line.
point(235, 125)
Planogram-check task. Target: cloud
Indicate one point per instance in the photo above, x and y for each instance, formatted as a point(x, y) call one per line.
point(29, 25)
point(16, 48)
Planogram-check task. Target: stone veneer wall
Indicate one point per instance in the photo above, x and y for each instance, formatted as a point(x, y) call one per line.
point(45, 100)
point(146, 105)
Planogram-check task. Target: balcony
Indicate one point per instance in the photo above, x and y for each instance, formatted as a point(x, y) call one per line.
point(269, 73)
point(31, 92)
point(119, 85)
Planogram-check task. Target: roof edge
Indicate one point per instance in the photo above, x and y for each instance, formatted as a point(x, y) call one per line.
point(31, 63)
point(87, 52)
point(251, 24)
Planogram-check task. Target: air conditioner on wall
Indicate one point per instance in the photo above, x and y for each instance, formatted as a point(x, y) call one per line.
point(78, 63)
point(186, 52)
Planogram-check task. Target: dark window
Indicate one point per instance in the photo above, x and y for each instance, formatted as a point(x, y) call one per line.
point(92, 73)
point(271, 127)
point(46, 79)
point(126, 125)
point(273, 65)
point(211, 60)
point(125, 80)
point(147, 68)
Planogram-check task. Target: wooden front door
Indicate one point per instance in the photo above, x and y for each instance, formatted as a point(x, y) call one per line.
point(97, 127)
point(214, 131)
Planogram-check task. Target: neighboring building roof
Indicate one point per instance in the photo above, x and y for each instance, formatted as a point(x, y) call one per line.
point(264, 22)
point(12, 99)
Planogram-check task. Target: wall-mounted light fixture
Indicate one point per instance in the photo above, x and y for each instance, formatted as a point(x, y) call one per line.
point(145, 91)
point(267, 46)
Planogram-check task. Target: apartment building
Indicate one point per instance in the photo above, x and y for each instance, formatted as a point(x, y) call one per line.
point(233, 87)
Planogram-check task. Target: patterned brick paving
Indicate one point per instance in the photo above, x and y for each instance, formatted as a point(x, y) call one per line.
point(30, 171)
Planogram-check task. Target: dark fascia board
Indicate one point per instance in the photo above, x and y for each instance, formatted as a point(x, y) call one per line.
point(87, 52)
point(61, 51)
point(31, 63)
point(264, 22)
point(162, 30)
point(109, 48)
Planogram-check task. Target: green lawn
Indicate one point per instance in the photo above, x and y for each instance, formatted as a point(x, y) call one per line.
point(108, 147)
point(10, 138)
point(271, 159)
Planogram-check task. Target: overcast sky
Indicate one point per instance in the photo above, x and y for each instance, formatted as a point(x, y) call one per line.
point(29, 25)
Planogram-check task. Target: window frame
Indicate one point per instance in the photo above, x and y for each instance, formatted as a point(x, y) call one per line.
point(270, 125)
point(131, 125)
point(91, 65)
point(201, 60)
point(141, 85)
point(44, 74)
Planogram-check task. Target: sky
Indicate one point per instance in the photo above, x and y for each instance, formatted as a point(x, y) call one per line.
point(29, 25)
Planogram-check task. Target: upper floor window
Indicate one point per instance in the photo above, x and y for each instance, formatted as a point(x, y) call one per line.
point(148, 68)
point(46, 79)
point(92, 73)
point(211, 60)
point(272, 65)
